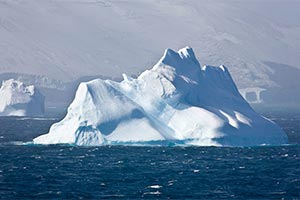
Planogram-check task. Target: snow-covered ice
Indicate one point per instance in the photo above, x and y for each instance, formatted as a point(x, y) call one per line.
point(177, 101)
point(17, 99)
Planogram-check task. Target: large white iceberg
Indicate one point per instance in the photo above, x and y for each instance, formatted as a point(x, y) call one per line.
point(176, 102)
point(17, 99)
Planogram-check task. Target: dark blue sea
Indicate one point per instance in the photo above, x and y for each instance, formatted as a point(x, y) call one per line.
point(123, 172)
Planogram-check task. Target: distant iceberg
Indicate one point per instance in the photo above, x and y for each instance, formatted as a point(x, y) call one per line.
point(17, 99)
point(177, 101)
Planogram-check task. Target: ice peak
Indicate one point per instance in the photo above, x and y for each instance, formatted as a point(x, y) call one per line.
point(182, 63)
point(223, 68)
point(11, 83)
point(16, 85)
point(187, 52)
point(170, 57)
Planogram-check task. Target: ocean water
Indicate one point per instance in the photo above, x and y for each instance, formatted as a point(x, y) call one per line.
point(123, 172)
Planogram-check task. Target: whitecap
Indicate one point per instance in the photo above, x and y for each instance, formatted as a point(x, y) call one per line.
point(155, 193)
point(155, 186)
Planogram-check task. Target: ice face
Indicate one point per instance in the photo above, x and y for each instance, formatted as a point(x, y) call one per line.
point(17, 99)
point(176, 100)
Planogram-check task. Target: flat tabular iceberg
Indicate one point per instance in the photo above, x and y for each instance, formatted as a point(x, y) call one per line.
point(176, 101)
point(17, 99)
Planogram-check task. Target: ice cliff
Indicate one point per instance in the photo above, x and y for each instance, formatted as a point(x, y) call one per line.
point(17, 99)
point(177, 101)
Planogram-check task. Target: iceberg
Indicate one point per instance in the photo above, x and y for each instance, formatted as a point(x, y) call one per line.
point(175, 102)
point(17, 99)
